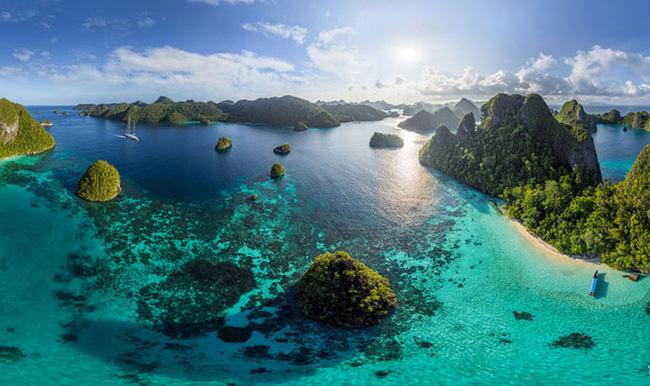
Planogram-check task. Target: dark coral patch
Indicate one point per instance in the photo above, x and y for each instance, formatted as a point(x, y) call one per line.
point(523, 315)
point(232, 334)
point(10, 354)
point(575, 340)
point(203, 289)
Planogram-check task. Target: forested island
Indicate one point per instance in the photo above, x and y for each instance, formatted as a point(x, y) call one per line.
point(20, 134)
point(634, 120)
point(276, 111)
point(549, 176)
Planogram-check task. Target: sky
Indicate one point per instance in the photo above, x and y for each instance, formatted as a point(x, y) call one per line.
point(73, 51)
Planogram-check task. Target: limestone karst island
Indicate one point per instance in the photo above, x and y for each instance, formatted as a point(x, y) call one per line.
point(248, 192)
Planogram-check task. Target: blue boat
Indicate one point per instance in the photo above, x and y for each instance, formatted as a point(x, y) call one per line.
point(594, 285)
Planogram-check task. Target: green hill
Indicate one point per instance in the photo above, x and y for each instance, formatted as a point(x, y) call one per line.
point(278, 111)
point(518, 142)
point(573, 114)
point(164, 110)
point(350, 112)
point(424, 121)
point(20, 134)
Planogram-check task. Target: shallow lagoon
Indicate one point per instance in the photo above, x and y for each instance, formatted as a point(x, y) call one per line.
point(72, 273)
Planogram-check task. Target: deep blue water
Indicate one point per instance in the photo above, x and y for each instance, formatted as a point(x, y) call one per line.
point(75, 274)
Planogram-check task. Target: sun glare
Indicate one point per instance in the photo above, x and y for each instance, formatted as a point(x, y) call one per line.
point(407, 53)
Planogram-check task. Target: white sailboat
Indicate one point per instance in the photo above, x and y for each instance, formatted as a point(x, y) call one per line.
point(130, 130)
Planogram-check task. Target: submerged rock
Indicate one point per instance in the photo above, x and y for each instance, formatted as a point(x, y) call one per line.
point(379, 140)
point(575, 340)
point(523, 315)
point(343, 291)
point(100, 183)
point(232, 334)
point(223, 144)
point(283, 149)
point(277, 170)
point(10, 354)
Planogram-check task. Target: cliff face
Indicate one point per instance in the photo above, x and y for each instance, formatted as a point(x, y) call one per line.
point(573, 114)
point(20, 134)
point(466, 126)
point(8, 122)
point(518, 141)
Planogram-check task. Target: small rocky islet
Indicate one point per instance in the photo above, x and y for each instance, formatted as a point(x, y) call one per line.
point(223, 144)
point(283, 149)
point(341, 290)
point(277, 170)
point(100, 183)
point(381, 140)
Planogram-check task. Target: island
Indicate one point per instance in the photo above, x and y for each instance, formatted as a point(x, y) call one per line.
point(283, 149)
point(548, 174)
point(20, 134)
point(381, 140)
point(343, 291)
point(611, 117)
point(278, 111)
point(465, 106)
point(223, 144)
point(300, 126)
point(637, 120)
point(100, 183)
point(519, 141)
point(163, 110)
point(424, 121)
point(573, 114)
point(277, 170)
point(352, 112)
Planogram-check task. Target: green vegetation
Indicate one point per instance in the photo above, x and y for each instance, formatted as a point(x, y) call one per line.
point(223, 144)
point(350, 112)
point(386, 140)
point(283, 149)
point(612, 221)
point(100, 183)
point(20, 134)
point(164, 110)
point(282, 111)
point(549, 176)
point(612, 117)
point(343, 291)
point(426, 121)
point(519, 142)
point(300, 126)
point(573, 114)
point(277, 170)
point(637, 120)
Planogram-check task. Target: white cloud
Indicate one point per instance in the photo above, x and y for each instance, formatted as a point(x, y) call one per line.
point(23, 54)
point(145, 22)
point(179, 72)
point(588, 67)
point(94, 23)
point(293, 32)
point(336, 52)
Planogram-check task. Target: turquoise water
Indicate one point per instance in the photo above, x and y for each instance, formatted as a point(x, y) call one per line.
point(76, 277)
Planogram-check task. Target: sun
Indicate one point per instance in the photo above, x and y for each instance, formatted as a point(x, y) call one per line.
point(407, 53)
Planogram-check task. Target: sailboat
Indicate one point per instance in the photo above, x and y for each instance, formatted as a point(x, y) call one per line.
point(129, 133)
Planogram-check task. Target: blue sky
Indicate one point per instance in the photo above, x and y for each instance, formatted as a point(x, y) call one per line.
point(60, 51)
